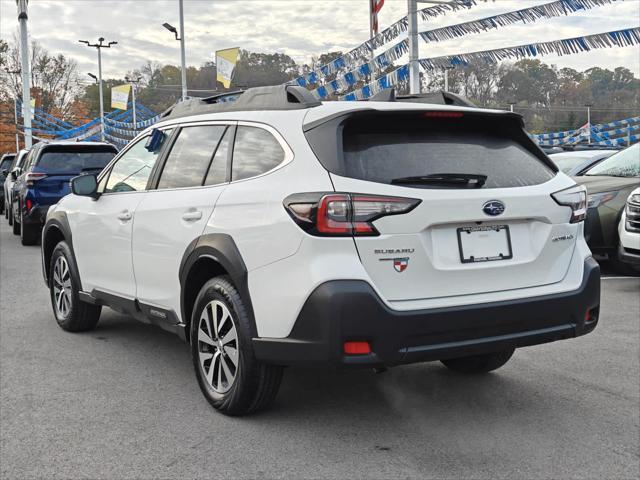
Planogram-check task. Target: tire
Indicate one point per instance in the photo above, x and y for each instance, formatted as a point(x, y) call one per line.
point(250, 386)
point(10, 214)
point(28, 234)
point(71, 314)
point(479, 363)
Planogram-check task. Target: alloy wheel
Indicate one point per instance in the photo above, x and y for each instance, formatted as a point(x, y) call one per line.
point(62, 287)
point(218, 346)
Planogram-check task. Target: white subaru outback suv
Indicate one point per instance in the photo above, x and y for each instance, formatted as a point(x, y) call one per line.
point(276, 230)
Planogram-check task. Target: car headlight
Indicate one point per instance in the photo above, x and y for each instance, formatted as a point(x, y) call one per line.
point(597, 199)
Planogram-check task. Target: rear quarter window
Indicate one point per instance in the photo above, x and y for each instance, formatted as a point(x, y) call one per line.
point(381, 147)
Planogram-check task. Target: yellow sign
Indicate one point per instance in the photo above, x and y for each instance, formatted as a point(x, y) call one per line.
point(120, 96)
point(225, 65)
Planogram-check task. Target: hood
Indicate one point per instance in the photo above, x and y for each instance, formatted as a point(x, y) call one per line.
point(598, 184)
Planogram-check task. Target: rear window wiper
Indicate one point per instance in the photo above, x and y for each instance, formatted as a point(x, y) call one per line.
point(465, 180)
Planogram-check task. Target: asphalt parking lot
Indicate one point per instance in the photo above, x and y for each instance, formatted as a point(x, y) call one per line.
point(122, 402)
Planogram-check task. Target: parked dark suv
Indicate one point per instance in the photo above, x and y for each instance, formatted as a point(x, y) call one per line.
point(45, 180)
point(5, 166)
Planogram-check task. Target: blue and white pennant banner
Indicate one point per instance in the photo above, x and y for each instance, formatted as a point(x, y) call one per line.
point(351, 58)
point(389, 80)
point(557, 8)
point(568, 46)
point(363, 71)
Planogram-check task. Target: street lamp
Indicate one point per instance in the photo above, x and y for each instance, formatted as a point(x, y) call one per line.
point(26, 74)
point(134, 82)
point(93, 76)
point(99, 46)
point(180, 38)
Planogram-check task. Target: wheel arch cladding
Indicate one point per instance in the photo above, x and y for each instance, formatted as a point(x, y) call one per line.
point(55, 230)
point(206, 257)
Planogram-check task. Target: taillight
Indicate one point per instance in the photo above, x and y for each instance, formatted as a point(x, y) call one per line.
point(576, 199)
point(343, 214)
point(32, 177)
point(28, 204)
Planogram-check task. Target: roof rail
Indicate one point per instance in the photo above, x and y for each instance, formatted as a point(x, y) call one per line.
point(281, 97)
point(435, 98)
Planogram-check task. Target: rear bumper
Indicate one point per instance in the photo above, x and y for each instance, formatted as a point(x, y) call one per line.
point(36, 216)
point(349, 310)
point(629, 255)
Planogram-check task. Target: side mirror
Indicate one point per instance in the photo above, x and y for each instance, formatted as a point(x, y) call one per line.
point(85, 185)
point(14, 175)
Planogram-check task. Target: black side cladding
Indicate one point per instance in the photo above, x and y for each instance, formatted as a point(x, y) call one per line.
point(221, 249)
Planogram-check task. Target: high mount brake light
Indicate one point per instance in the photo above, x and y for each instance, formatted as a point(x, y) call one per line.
point(576, 199)
point(31, 177)
point(343, 214)
point(443, 114)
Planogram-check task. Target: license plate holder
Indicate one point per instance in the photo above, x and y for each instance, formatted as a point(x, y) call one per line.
point(485, 243)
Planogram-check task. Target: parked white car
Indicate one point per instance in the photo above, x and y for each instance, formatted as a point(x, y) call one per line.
point(278, 230)
point(629, 231)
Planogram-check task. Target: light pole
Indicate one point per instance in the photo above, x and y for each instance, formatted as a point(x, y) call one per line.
point(414, 65)
point(134, 83)
point(588, 105)
point(180, 37)
point(446, 78)
point(99, 46)
point(511, 104)
point(15, 108)
point(26, 74)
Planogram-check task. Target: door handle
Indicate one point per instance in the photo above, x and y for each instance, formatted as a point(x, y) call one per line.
point(192, 216)
point(125, 216)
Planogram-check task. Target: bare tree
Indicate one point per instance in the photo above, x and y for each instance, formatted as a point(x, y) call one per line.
point(54, 78)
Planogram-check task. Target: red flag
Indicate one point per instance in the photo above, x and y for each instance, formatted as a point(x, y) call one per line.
point(375, 7)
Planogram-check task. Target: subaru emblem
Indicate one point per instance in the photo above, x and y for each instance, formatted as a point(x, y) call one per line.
point(493, 208)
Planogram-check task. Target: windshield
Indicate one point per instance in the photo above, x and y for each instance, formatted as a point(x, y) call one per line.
point(75, 161)
point(566, 163)
point(623, 164)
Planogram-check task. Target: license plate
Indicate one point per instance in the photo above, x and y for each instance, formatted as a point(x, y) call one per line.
point(484, 243)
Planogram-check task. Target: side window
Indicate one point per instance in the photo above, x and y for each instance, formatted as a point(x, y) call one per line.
point(218, 170)
point(255, 152)
point(190, 156)
point(131, 172)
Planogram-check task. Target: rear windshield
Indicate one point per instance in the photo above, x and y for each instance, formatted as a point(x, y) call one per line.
point(6, 163)
point(387, 148)
point(76, 160)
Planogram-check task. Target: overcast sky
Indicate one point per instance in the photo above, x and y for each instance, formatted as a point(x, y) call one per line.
point(299, 28)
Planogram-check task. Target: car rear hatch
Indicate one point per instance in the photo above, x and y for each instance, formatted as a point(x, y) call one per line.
point(486, 220)
point(58, 164)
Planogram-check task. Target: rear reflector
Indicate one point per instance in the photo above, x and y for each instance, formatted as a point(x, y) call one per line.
point(357, 348)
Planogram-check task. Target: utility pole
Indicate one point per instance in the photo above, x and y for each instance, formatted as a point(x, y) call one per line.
point(26, 72)
point(99, 46)
point(414, 65)
point(588, 105)
point(134, 84)
point(15, 109)
point(446, 78)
